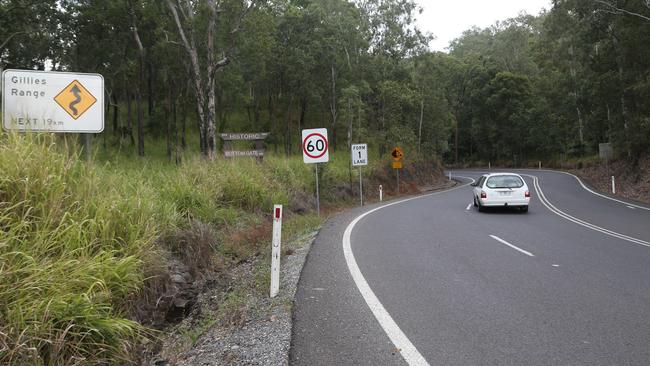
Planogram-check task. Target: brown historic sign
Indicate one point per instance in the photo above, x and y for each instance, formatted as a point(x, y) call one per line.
point(255, 137)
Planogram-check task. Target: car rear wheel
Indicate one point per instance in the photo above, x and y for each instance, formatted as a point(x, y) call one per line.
point(475, 204)
point(524, 208)
point(480, 207)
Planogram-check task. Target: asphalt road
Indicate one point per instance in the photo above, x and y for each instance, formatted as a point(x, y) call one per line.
point(567, 283)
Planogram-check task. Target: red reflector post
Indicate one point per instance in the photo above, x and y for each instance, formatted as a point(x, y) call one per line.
point(277, 213)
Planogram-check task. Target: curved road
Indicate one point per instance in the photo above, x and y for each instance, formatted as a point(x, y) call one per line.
point(433, 281)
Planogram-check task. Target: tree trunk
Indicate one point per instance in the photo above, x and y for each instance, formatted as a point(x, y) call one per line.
point(420, 128)
point(183, 121)
point(333, 108)
point(168, 122)
point(303, 112)
point(140, 122)
point(129, 128)
point(287, 130)
point(116, 124)
point(150, 88)
point(141, 51)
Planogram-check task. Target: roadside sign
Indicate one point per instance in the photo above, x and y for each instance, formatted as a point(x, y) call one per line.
point(315, 146)
point(359, 154)
point(52, 101)
point(397, 153)
point(397, 165)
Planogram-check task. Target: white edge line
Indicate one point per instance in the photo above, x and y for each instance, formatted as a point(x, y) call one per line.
point(408, 351)
point(511, 246)
point(468, 207)
point(586, 224)
point(596, 193)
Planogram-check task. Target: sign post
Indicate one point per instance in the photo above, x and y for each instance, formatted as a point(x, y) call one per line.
point(397, 155)
point(315, 149)
point(360, 158)
point(275, 250)
point(53, 101)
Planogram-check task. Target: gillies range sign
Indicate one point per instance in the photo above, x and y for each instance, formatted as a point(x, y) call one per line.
point(52, 101)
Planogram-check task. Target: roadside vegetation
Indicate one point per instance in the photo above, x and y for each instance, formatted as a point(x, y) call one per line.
point(90, 250)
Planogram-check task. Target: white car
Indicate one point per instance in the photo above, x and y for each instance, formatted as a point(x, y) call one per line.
point(501, 190)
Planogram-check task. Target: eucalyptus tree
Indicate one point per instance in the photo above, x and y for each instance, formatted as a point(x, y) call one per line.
point(207, 30)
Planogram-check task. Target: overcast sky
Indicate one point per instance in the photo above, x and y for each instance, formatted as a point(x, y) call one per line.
point(447, 19)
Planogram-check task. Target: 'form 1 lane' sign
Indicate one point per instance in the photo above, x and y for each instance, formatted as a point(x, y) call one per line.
point(359, 154)
point(52, 101)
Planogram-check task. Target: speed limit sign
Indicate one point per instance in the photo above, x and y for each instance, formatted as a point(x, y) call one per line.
point(315, 146)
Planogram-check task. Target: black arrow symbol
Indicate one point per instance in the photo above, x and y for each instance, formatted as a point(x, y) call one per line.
point(77, 93)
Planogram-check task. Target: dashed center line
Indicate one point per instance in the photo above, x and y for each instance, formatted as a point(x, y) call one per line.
point(511, 246)
point(468, 207)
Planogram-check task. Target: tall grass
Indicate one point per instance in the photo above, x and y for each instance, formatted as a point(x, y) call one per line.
point(72, 249)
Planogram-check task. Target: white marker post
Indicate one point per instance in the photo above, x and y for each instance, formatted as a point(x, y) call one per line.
point(275, 250)
point(360, 158)
point(381, 193)
point(613, 185)
point(315, 149)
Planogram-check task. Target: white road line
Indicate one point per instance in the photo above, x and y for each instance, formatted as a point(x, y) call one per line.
point(631, 207)
point(557, 211)
point(469, 206)
point(596, 193)
point(511, 246)
point(408, 351)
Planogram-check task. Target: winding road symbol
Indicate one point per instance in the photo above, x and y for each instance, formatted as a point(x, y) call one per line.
point(75, 99)
point(77, 93)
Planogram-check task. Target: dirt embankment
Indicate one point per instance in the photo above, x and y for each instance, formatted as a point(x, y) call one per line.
point(632, 179)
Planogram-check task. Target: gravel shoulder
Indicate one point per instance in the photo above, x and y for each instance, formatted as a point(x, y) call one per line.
point(240, 324)
point(256, 330)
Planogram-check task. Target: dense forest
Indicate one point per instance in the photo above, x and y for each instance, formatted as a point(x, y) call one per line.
point(550, 86)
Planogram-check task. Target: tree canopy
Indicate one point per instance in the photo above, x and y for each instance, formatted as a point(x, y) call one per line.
point(547, 86)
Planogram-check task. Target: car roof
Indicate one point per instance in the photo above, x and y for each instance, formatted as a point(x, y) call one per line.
point(501, 173)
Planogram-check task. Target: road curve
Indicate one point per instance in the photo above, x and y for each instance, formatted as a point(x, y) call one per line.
point(552, 286)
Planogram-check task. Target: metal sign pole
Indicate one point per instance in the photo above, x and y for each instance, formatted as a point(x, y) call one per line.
point(397, 180)
point(317, 193)
point(360, 187)
point(87, 142)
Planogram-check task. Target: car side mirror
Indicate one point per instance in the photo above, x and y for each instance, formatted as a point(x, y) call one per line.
point(475, 184)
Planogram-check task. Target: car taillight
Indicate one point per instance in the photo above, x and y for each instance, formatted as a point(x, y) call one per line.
point(527, 194)
point(483, 194)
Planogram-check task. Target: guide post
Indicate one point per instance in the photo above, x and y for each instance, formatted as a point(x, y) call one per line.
point(275, 250)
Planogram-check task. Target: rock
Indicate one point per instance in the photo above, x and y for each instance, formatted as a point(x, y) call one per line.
point(177, 278)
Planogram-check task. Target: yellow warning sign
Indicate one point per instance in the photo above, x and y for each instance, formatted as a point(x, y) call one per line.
point(75, 99)
point(397, 153)
point(397, 165)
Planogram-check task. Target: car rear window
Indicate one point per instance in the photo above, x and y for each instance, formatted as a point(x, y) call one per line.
point(505, 181)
